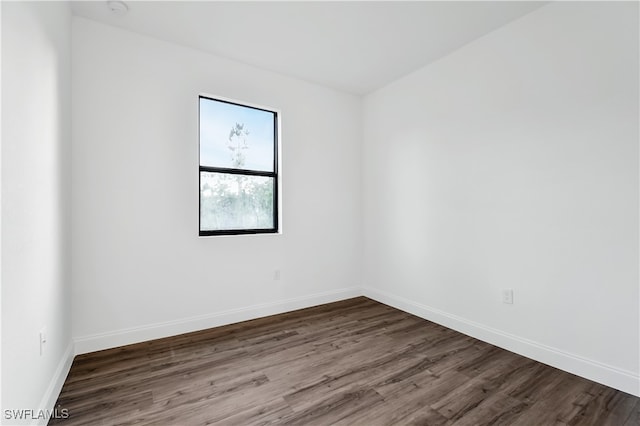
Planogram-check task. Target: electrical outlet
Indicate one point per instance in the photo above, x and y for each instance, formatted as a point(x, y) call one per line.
point(276, 275)
point(507, 296)
point(43, 340)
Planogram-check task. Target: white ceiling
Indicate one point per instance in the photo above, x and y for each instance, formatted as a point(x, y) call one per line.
point(356, 47)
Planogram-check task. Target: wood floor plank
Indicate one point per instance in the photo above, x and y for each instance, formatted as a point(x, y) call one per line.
point(569, 398)
point(277, 412)
point(496, 409)
point(607, 407)
point(355, 362)
point(634, 417)
point(337, 379)
point(408, 401)
point(336, 407)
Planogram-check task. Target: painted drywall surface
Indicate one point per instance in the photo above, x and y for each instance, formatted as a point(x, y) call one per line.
point(138, 260)
point(36, 149)
point(513, 163)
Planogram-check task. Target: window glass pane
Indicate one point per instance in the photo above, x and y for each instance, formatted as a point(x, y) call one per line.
point(235, 136)
point(230, 201)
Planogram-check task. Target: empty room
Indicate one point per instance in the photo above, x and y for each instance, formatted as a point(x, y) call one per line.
point(320, 213)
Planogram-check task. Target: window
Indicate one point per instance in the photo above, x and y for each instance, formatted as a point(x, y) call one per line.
point(238, 168)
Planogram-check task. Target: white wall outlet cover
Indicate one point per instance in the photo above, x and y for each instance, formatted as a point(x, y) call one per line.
point(507, 296)
point(43, 340)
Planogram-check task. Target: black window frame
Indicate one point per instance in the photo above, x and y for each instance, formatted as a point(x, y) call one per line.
point(245, 172)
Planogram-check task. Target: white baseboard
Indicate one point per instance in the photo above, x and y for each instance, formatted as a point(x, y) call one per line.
point(47, 404)
point(96, 342)
point(623, 380)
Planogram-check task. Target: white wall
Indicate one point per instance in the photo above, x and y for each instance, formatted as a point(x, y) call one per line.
point(36, 126)
point(140, 270)
point(513, 163)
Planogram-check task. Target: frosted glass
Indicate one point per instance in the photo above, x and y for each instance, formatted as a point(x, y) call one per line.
point(231, 201)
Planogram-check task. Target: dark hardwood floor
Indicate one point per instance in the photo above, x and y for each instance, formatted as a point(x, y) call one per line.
point(355, 362)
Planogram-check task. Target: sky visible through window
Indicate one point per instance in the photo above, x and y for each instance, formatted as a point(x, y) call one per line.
point(217, 120)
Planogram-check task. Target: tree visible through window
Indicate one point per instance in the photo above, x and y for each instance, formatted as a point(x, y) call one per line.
point(238, 168)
